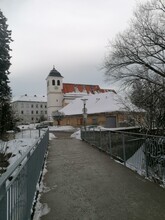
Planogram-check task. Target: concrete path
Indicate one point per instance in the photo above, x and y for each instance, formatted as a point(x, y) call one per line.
point(87, 185)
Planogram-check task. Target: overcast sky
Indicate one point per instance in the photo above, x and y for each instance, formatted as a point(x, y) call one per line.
point(71, 34)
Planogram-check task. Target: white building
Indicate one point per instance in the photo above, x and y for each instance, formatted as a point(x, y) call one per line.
point(60, 94)
point(30, 109)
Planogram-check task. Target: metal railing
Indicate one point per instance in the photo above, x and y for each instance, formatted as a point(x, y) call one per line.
point(18, 183)
point(143, 153)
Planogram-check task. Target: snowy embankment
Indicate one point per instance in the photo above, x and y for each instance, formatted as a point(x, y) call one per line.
point(41, 209)
point(26, 138)
point(16, 147)
point(23, 140)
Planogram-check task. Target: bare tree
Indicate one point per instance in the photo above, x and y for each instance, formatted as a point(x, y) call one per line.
point(151, 98)
point(137, 59)
point(139, 52)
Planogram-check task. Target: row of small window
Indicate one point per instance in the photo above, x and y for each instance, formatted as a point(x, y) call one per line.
point(54, 83)
point(41, 106)
point(32, 112)
point(32, 105)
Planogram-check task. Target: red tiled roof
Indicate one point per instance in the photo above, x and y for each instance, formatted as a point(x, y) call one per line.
point(70, 87)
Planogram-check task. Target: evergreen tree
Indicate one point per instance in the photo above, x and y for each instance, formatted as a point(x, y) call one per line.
point(6, 121)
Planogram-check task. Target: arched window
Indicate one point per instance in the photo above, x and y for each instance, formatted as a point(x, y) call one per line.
point(53, 82)
point(58, 82)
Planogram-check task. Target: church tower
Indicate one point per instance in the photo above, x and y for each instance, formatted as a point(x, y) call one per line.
point(54, 92)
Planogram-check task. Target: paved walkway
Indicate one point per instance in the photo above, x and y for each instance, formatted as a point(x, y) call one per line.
point(87, 185)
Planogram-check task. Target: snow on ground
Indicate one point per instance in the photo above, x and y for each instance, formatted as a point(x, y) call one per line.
point(30, 126)
point(76, 135)
point(137, 161)
point(23, 140)
point(41, 209)
point(51, 136)
point(60, 128)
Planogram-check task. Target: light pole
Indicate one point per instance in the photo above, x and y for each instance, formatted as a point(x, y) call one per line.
point(84, 110)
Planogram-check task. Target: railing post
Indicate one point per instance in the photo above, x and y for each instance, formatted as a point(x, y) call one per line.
point(146, 157)
point(110, 142)
point(124, 155)
point(100, 139)
point(3, 202)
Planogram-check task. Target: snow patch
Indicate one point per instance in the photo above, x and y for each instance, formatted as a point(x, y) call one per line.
point(76, 135)
point(51, 136)
point(60, 128)
point(137, 161)
point(41, 210)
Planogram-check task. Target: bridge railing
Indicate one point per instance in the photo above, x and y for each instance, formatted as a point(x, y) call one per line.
point(18, 183)
point(143, 153)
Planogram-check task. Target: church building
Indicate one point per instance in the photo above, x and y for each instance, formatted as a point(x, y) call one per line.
point(60, 94)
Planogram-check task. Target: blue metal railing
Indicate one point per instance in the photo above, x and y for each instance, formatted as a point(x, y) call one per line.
point(18, 183)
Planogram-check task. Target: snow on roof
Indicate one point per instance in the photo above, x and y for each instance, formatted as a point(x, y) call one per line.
point(96, 103)
point(74, 94)
point(27, 98)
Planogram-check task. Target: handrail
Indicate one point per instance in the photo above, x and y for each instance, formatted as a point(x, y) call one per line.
point(18, 183)
point(11, 169)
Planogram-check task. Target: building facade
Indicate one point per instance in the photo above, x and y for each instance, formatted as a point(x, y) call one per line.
point(60, 94)
point(30, 109)
point(104, 109)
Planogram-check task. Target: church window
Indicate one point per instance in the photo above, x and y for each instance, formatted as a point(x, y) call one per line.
point(58, 82)
point(53, 82)
point(48, 83)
